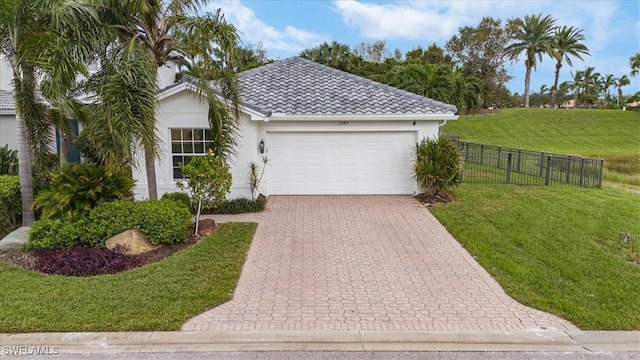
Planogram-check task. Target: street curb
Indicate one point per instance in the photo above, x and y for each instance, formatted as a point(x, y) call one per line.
point(356, 340)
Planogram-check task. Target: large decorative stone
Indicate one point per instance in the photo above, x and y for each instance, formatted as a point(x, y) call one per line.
point(131, 242)
point(16, 239)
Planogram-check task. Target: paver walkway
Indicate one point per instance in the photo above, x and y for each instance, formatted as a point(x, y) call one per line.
point(362, 263)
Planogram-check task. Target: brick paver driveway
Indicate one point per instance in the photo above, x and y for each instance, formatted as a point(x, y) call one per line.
point(362, 263)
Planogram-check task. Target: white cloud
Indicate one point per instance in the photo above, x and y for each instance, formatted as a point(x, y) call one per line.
point(438, 21)
point(289, 40)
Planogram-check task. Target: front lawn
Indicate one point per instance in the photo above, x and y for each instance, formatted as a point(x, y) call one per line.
point(557, 249)
point(159, 296)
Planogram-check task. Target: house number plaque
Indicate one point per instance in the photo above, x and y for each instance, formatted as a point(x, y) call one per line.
point(343, 123)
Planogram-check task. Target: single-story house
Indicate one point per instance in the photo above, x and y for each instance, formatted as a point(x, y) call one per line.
point(325, 131)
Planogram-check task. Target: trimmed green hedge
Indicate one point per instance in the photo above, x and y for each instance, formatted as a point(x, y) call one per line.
point(61, 233)
point(239, 206)
point(10, 202)
point(161, 222)
point(179, 197)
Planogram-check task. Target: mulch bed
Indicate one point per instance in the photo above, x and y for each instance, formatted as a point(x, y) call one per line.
point(27, 259)
point(437, 199)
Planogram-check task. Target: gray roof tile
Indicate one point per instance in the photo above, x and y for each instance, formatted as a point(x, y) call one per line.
point(296, 86)
point(6, 101)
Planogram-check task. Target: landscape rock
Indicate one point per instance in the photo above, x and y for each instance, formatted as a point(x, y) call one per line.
point(16, 239)
point(131, 242)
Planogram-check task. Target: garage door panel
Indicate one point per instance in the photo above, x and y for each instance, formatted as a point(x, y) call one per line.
point(341, 163)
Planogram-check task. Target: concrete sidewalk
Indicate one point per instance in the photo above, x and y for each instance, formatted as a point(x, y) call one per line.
point(361, 340)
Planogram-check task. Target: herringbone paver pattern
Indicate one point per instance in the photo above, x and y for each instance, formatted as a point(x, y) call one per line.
point(362, 263)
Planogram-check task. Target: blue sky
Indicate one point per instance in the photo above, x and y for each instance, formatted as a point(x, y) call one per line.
point(285, 27)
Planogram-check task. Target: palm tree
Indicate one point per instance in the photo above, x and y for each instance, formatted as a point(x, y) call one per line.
point(543, 90)
point(634, 63)
point(563, 90)
point(427, 80)
point(566, 43)
point(146, 35)
point(607, 81)
point(589, 85)
point(335, 55)
point(622, 81)
point(466, 91)
point(534, 37)
point(45, 45)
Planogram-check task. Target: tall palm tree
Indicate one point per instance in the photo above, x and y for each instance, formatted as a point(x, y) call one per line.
point(607, 81)
point(534, 37)
point(45, 44)
point(566, 44)
point(622, 81)
point(148, 33)
point(634, 63)
point(563, 90)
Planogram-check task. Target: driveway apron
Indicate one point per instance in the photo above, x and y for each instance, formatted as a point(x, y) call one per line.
point(362, 263)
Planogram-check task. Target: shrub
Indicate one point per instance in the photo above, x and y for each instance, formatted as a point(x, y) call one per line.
point(178, 197)
point(240, 206)
point(79, 261)
point(208, 182)
point(161, 222)
point(8, 161)
point(61, 234)
point(256, 172)
point(438, 165)
point(10, 202)
point(79, 188)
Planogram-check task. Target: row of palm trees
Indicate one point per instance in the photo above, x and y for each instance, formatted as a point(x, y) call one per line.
point(49, 43)
point(539, 35)
point(587, 87)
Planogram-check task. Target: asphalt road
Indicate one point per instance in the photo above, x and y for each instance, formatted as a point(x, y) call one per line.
point(332, 355)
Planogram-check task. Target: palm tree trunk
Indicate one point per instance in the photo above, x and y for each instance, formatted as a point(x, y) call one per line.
point(554, 89)
point(527, 83)
point(24, 171)
point(150, 165)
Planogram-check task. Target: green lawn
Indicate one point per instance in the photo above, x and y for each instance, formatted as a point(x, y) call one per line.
point(159, 296)
point(610, 134)
point(556, 249)
point(565, 131)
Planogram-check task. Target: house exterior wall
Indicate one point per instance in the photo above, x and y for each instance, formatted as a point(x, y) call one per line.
point(8, 131)
point(184, 110)
point(6, 75)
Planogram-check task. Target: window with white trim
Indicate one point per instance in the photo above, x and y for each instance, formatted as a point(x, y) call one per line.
point(186, 143)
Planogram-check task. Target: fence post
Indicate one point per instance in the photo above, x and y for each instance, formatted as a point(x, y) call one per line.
point(499, 157)
point(481, 154)
point(509, 162)
point(582, 172)
point(519, 159)
point(466, 153)
point(601, 171)
point(569, 161)
point(541, 163)
point(547, 177)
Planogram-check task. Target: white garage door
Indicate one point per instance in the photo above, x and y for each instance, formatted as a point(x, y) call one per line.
point(306, 163)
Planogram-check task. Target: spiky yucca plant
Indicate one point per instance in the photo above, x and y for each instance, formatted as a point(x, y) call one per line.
point(438, 165)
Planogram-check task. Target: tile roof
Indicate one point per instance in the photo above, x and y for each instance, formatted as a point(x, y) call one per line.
point(296, 86)
point(6, 101)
